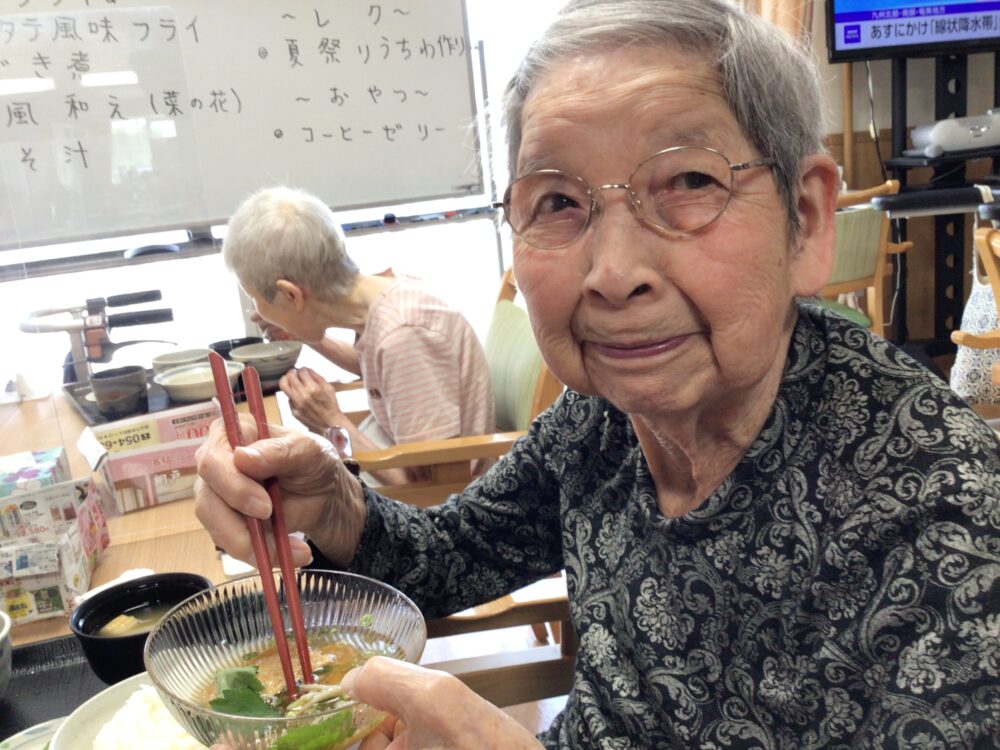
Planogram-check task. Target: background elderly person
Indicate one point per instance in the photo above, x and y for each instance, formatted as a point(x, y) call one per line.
point(777, 529)
point(422, 365)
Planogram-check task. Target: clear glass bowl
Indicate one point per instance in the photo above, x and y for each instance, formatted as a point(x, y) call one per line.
point(215, 629)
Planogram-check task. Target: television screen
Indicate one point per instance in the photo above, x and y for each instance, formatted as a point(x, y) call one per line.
point(872, 29)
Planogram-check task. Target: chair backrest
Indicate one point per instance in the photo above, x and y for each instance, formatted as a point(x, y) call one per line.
point(987, 250)
point(859, 238)
point(522, 384)
point(860, 255)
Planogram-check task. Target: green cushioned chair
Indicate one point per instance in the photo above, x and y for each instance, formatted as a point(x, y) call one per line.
point(860, 256)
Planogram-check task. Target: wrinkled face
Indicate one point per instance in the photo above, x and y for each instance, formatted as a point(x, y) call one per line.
point(282, 311)
point(656, 324)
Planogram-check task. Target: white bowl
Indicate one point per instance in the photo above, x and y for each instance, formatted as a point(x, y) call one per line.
point(272, 359)
point(4, 652)
point(194, 382)
point(179, 358)
point(80, 729)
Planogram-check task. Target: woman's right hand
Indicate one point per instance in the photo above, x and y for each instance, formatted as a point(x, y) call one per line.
point(321, 497)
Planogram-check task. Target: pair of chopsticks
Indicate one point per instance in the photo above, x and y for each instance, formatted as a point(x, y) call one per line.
point(255, 402)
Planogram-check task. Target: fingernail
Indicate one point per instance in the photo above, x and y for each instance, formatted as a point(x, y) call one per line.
point(253, 453)
point(348, 680)
point(259, 508)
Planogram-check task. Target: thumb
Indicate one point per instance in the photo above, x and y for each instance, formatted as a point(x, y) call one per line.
point(391, 685)
point(285, 451)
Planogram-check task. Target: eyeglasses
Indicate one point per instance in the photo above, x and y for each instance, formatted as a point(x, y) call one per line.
point(679, 190)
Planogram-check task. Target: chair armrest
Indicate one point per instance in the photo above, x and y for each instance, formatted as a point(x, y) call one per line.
point(894, 248)
point(429, 452)
point(988, 340)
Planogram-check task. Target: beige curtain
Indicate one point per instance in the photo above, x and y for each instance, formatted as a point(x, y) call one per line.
point(793, 16)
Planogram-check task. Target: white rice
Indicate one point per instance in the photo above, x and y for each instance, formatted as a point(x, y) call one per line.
point(144, 722)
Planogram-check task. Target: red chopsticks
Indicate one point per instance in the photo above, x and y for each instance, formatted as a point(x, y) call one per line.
point(229, 417)
point(255, 400)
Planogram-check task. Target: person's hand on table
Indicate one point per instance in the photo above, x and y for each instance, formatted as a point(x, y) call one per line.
point(429, 710)
point(321, 497)
point(313, 400)
point(270, 330)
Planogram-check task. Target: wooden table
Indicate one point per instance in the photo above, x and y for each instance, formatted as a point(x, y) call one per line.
point(168, 538)
point(164, 538)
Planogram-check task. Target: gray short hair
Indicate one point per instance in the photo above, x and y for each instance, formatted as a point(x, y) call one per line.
point(284, 233)
point(770, 82)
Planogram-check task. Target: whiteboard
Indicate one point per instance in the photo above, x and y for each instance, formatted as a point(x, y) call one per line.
point(120, 116)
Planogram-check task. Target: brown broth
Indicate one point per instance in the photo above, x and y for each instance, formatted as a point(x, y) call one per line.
point(330, 662)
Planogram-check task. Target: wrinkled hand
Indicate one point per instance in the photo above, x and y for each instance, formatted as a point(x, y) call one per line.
point(270, 330)
point(321, 497)
point(312, 398)
point(431, 710)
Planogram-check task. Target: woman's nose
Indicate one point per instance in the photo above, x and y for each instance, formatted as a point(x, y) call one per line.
point(621, 248)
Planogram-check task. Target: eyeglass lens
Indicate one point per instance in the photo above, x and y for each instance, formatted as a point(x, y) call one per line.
point(679, 190)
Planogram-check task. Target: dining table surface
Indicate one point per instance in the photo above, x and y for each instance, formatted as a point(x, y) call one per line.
point(163, 538)
point(51, 674)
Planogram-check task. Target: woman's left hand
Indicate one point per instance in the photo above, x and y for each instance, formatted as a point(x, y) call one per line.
point(313, 400)
point(431, 710)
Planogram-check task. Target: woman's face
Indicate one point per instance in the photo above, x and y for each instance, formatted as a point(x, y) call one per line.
point(654, 323)
point(288, 311)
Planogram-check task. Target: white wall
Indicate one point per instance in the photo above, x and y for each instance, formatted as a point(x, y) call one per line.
point(459, 261)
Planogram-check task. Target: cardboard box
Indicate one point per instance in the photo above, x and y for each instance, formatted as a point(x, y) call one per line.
point(32, 470)
point(150, 459)
point(49, 510)
point(41, 576)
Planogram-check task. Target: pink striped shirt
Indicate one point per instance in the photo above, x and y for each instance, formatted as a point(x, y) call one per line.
point(423, 367)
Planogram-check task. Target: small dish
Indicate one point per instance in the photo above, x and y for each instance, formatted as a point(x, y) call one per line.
point(194, 382)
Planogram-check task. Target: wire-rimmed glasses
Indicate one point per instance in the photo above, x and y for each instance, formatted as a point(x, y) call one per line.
point(678, 190)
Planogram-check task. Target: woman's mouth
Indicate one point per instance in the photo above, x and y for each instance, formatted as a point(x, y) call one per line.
point(639, 350)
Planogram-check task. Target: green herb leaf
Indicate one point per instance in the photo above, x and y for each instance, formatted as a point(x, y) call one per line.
point(238, 677)
point(242, 701)
point(366, 620)
point(239, 693)
point(317, 736)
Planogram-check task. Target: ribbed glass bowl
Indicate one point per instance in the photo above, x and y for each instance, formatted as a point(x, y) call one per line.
point(215, 629)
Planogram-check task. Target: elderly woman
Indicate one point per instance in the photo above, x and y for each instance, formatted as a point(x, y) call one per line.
point(777, 529)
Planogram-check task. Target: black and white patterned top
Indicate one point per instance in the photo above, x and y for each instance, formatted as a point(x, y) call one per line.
point(841, 588)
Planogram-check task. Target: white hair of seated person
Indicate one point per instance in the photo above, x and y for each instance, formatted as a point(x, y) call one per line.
point(769, 80)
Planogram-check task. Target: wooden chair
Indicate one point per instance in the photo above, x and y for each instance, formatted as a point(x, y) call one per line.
point(861, 256)
point(521, 676)
point(522, 386)
point(987, 249)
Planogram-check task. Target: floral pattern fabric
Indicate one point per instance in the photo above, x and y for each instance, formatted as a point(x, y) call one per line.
point(841, 588)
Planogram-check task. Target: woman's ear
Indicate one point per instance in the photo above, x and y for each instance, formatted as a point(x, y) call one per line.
point(812, 259)
point(291, 293)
